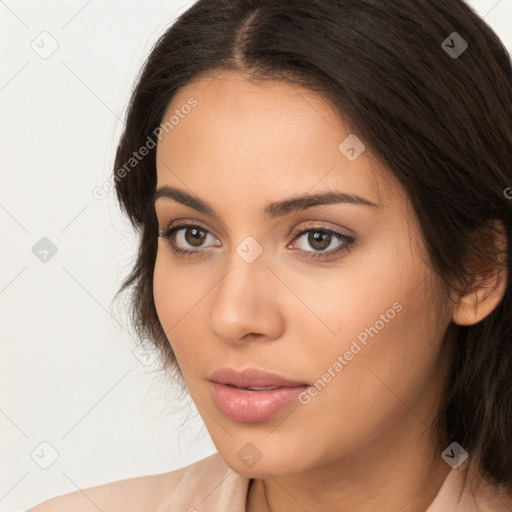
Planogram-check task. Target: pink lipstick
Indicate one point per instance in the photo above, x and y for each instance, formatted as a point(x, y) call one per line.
point(251, 395)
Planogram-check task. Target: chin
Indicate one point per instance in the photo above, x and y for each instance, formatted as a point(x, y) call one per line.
point(261, 460)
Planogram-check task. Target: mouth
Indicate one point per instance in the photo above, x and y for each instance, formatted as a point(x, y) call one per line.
point(252, 378)
point(251, 395)
point(251, 388)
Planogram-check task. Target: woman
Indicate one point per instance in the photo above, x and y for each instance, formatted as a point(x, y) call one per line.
point(323, 194)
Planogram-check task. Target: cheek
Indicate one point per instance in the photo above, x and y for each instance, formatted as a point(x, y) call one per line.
point(386, 289)
point(384, 366)
point(388, 316)
point(174, 296)
point(175, 289)
point(179, 294)
point(354, 297)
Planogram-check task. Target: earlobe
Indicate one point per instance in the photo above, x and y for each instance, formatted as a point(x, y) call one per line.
point(489, 288)
point(478, 303)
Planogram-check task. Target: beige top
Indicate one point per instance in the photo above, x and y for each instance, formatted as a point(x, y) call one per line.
point(209, 485)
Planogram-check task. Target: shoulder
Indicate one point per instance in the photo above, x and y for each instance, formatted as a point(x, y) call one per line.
point(145, 493)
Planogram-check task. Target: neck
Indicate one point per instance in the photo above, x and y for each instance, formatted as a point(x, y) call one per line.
point(396, 475)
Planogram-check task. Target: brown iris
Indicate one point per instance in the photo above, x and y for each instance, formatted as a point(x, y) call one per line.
point(196, 237)
point(319, 237)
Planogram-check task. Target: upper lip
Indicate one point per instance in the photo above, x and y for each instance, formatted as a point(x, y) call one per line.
point(251, 377)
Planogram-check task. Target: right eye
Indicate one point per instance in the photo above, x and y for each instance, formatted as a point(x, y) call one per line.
point(179, 236)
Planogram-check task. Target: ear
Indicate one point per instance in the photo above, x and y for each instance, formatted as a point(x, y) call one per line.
point(489, 284)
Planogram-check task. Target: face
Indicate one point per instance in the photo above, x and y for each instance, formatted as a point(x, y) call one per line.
point(335, 299)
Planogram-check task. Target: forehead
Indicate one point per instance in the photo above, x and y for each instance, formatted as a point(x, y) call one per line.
point(239, 98)
point(235, 91)
point(270, 131)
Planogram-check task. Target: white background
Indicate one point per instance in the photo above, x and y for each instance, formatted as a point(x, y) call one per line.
point(67, 372)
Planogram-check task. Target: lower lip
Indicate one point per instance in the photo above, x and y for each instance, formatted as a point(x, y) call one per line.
point(253, 406)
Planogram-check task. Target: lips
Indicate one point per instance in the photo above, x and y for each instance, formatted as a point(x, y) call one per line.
point(252, 378)
point(251, 396)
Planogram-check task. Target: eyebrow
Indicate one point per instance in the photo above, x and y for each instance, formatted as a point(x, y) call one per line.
point(271, 210)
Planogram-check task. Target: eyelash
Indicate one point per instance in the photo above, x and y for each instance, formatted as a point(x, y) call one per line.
point(342, 249)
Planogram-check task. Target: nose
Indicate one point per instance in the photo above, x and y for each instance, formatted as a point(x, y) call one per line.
point(245, 304)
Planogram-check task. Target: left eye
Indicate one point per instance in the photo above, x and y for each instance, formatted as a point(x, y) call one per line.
point(320, 239)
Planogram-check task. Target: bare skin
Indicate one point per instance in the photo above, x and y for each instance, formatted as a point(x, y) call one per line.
point(365, 441)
